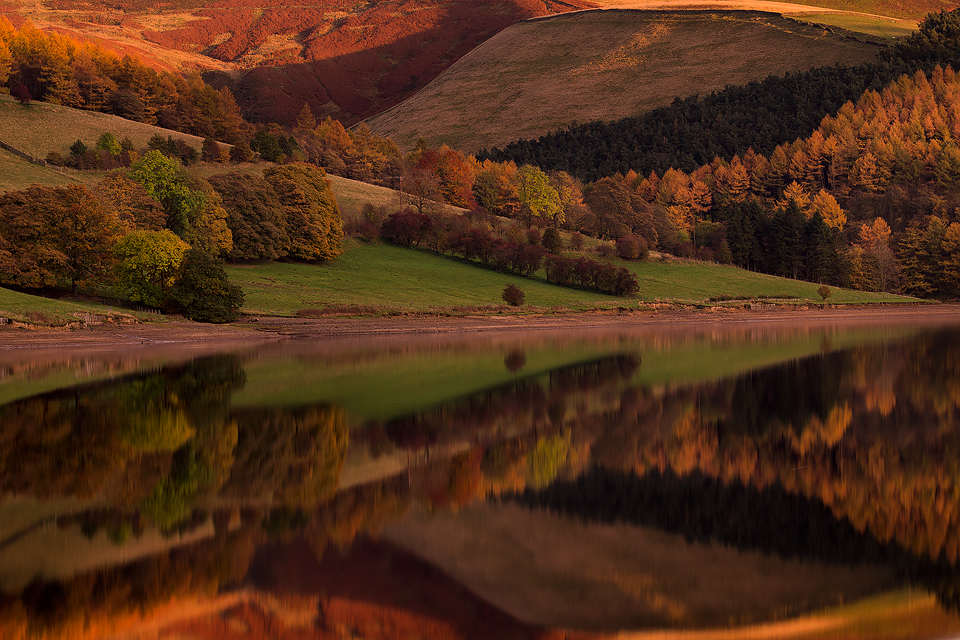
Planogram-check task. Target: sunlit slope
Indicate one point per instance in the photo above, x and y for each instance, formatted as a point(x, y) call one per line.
point(538, 76)
point(915, 9)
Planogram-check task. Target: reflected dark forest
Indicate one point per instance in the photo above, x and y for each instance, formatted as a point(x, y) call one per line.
point(164, 489)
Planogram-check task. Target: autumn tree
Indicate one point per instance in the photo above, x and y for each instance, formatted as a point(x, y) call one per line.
point(454, 176)
point(873, 264)
point(611, 209)
point(148, 264)
point(54, 236)
point(135, 208)
point(539, 202)
point(495, 188)
point(314, 225)
point(194, 210)
point(84, 233)
point(256, 218)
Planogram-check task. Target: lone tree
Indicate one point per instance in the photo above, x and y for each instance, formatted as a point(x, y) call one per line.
point(513, 295)
point(824, 292)
point(202, 292)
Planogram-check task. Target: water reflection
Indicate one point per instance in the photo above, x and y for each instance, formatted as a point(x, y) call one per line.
point(825, 477)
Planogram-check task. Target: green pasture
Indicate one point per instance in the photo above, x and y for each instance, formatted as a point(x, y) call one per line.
point(386, 278)
point(888, 28)
point(383, 279)
point(22, 307)
point(697, 282)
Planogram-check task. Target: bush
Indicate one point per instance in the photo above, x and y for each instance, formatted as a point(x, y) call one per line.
point(406, 227)
point(605, 249)
point(576, 241)
point(824, 292)
point(552, 241)
point(628, 248)
point(22, 94)
point(513, 295)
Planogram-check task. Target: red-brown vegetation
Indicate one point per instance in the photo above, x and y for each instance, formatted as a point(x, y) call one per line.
point(340, 60)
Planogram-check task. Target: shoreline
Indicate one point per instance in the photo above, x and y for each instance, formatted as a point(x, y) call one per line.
point(267, 328)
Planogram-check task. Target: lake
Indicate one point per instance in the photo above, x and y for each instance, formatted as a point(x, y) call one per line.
point(738, 480)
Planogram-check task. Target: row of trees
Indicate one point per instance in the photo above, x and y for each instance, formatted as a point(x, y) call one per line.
point(506, 249)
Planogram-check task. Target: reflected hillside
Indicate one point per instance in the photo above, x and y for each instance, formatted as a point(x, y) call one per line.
point(667, 478)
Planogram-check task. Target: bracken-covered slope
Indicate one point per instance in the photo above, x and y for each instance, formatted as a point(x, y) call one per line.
point(543, 75)
point(346, 59)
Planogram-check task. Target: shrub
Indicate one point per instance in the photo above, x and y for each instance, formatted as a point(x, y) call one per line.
point(628, 248)
point(552, 241)
point(533, 236)
point(22, 94)
point(605, 249)
point(406, 227)
point(513, 295)
point(824, 292)
point(576, 241)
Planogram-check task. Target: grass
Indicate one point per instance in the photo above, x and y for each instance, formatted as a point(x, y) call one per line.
point(39, 128)
point(887, 28)
point(538, 76)
point(16, 173)
point(912, 9)
point(391, 278)
point(28, 309)
point(383, 278)
point(697, 282)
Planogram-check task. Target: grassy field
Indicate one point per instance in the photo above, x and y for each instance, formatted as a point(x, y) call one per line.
point(39, 128)
point(888, 28)
point(697, 282)
point(535, 77)
point(389, 278)
point(16, 173)
point(383, 278)
point(21, 307)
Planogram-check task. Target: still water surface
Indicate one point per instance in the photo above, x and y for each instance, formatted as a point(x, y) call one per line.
point(486, 486)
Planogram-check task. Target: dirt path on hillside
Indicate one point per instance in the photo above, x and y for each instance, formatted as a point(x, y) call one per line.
point(184, 333)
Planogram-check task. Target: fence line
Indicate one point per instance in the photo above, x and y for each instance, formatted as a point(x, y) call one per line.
point(23, 154)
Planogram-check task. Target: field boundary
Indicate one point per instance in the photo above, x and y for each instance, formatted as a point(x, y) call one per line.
point(23, 154)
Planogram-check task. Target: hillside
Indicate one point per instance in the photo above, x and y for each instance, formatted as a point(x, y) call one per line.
point(344, 59)
point(539, 76)
point(39, 128)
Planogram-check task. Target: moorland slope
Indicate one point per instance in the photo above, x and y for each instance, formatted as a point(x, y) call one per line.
point(344, 59)
point(543, 75)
